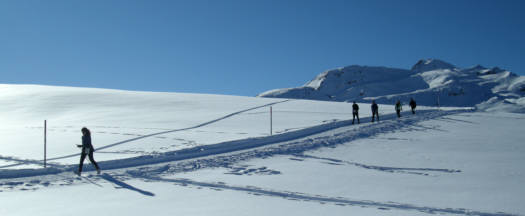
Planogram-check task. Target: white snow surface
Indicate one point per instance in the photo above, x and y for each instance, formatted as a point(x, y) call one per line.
point(430, 82)
point(194, 154)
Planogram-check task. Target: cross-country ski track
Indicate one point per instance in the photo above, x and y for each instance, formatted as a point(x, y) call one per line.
point(388, 124)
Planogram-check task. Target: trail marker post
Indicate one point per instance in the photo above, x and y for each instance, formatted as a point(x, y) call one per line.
point(45, 143)
point(439, 106)
point(271, 121)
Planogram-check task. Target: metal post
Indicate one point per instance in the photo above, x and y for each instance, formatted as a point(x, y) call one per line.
point(271, 121)
point(439, 106)
point(45, 143)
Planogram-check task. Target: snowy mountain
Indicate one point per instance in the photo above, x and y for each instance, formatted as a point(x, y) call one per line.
point(430, 82)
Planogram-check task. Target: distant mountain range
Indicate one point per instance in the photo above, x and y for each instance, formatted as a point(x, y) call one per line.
point(430, 82)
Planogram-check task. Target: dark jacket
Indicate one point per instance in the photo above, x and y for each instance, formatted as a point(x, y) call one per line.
point(355, 108)
point(374, 107)
point(86, 144)
point(398, 107)
point(412, 104)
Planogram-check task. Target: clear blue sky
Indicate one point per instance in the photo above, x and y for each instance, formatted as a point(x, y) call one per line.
point(244, 47)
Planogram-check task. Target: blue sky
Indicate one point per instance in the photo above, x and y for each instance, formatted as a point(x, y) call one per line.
point(245, 47)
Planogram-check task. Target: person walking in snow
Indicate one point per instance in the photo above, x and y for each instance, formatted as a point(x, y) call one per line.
point(87, 150)
point(413, 105)
point(375, 111)
point(398, 108)
point(355, 113)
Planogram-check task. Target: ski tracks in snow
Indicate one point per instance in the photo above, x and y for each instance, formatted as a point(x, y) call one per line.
point(227, 154)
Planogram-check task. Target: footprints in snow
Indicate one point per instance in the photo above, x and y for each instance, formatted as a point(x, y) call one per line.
point(245, 170)
point(403, 170)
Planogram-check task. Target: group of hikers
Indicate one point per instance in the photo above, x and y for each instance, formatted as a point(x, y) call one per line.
point(375, 110)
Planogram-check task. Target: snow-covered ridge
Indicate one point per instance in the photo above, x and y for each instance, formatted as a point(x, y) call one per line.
point(430, 82)
point(431, 64)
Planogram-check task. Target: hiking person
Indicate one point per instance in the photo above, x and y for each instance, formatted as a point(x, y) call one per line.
point(375, 111)
point(398, 108)
point(355, 112)
point(87, 150)
point(413, 105)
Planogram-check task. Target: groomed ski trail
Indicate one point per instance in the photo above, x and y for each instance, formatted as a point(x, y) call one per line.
point(220, 154)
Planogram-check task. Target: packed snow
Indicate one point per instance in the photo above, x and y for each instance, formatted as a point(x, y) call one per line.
point(195, 154)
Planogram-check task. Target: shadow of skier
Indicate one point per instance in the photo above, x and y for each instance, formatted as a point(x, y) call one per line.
point(122, 184)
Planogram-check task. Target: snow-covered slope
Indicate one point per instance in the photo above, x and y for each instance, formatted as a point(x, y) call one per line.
point(192, 154)
point(430, 82)
point(129, 123)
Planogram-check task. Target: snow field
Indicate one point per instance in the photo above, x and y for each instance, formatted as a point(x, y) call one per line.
point(212, 155)
point(180, 120)
point(451, 162)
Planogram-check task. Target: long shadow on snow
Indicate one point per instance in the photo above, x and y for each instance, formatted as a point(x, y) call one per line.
point(456, 120)
point(122, 184)
point(322, 199)
point(25, 161)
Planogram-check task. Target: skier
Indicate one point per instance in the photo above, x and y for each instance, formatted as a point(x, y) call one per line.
point(355, 112)
point(375, 111)
point(413, 105)
point(87, 150)
point(398, 108)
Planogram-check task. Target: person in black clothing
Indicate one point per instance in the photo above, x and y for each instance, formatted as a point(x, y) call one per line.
point(375, 111)
point(87, 150)
point(413, 105)
point(355, 112)
point(398, 108)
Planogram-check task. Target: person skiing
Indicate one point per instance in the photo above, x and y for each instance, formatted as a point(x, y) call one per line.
point(375, 111)
point(413, 105)
point(87, 150)
point(398, 108)
point(355, 112)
